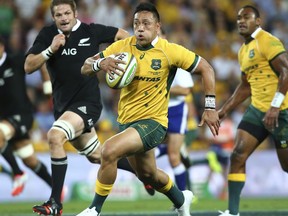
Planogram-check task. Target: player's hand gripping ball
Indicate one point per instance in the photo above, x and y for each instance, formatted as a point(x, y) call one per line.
point(120, 81)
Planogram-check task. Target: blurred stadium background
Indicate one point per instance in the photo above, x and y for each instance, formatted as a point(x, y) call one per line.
point(208, 27)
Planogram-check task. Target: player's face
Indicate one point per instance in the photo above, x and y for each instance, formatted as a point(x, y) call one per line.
point(146, 28)
point(247, 22)
point(64, 18)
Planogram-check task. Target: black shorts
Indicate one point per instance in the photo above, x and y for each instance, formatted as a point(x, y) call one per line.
point(90, 113)
point(22, 124)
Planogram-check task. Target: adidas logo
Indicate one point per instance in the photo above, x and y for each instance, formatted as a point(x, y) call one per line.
point(17, 118)
point(82, 109)
point(8, 73)
point(83, 41)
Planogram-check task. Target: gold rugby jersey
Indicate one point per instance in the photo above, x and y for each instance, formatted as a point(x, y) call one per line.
point(254, 59)
point(146, 97)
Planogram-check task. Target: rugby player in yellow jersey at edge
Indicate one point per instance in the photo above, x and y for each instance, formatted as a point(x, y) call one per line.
point(264, 64)
point(143, 107)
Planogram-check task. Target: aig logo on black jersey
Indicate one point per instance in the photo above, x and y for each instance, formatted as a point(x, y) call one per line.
point(73, 51)
point(69, 51)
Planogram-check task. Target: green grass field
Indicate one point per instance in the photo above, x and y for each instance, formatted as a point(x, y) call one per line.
point(158, 206)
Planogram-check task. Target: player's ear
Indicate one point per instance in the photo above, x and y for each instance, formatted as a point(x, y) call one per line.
point(76, 14)
point(258, 21)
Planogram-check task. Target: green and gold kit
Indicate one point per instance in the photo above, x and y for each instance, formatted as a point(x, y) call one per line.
point(254, 58)
point(146, 97)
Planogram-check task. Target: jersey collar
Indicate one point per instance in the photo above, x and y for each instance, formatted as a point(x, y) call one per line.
point(150, 46)
point(75, 27)
point(253, 35)
point(3, 58)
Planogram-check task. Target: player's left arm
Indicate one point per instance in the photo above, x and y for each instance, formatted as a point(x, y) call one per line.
point(210, 115)
point(94, 64)
point(280, 65)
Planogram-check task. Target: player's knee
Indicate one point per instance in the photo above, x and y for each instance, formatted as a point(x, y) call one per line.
point(109, 152)
point(56, 137)
point(5, 133)
point(238, 157)
point(60, 131)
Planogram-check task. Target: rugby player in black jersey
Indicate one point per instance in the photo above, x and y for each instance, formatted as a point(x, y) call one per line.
point(16, 118)
point(64, 46)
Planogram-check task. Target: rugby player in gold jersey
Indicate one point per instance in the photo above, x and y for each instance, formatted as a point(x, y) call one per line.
point(264, 65)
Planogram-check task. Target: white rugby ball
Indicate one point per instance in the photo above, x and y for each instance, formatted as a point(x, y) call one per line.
point(120, 81)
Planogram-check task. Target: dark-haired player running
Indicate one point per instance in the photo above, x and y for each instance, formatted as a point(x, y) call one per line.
point(64, 46)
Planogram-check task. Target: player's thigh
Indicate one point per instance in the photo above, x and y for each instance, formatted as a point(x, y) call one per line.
point(245, 144)
point(123, 144)
point(250, 133)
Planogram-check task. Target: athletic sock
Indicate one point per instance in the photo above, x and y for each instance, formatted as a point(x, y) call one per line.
point(101, 193)
point(235, 185)
point(10, 158)
point(173, 193)
point(59, 167)
point(180, 174)
point(176, 196)
point(42, 172)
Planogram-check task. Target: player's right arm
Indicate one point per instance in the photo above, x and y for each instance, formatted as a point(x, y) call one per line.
point(241, 93)
point(121, 34)
point(35, 61)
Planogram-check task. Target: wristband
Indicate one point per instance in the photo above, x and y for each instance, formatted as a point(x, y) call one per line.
point(47, 87)
point(47, 53)
point(96, 65)
point(277, 100)
point(210, 102)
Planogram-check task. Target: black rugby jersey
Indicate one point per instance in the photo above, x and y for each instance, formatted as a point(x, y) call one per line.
point(64, 67)
point(13, 96)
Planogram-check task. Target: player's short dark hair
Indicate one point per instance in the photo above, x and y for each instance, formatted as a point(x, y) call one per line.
point(147, 6)
point(58, 2)
point(255, 10)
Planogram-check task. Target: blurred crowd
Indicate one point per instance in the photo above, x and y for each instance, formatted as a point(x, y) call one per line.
point(208, 27)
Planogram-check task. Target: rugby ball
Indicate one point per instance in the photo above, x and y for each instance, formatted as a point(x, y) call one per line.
point(120, 81)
